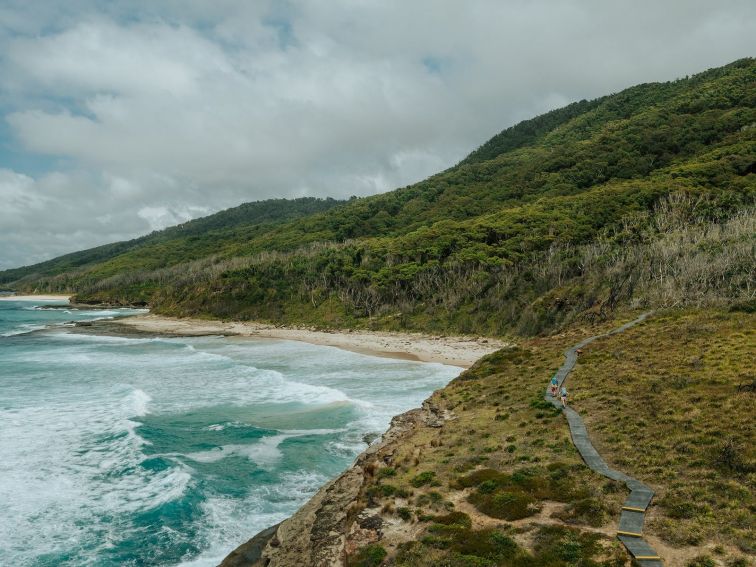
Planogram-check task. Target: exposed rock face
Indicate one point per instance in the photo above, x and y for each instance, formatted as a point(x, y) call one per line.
point(331, 523)
point(250, 552)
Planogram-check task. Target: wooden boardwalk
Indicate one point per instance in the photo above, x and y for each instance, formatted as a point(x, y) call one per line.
point(632, 516)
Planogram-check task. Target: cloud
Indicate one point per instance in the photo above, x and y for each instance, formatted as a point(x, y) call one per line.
point(62, 212)
point(159, 217)
point(153, 112)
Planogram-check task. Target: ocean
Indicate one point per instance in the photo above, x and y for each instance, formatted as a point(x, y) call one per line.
point(136, 451)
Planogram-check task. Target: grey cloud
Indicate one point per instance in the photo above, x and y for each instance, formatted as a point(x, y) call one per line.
point(163, 111)
point(57, 213)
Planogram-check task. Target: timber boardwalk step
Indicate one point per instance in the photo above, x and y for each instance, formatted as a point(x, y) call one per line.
point(633, 513)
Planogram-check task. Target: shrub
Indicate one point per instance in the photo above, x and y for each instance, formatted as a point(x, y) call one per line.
point(483, 544)
point(483, 475)
point(381, 490)
point(402, 493)
point(388, 489)
point(556, 545)
point(386, 472)
point(404, 513)
point(730, 456)
point(503, 543)
point(368, 556)
point(589, 511)
point(487, 487)
point(681, 507)
point(454, 518)
point(701, 561)
point(571, 550)
point(514, 496)
point(504, 504)
point(423, 478)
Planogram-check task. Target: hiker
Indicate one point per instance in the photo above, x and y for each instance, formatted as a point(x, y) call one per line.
point(564, 397)
point(554, 386)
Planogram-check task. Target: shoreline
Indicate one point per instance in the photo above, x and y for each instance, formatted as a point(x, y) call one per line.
point(338, 493)
point(43, 297)
point(454, 351)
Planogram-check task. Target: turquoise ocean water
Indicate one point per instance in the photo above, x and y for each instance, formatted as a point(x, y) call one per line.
point(165, 451)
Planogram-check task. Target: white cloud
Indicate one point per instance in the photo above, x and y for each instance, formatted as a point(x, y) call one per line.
point(59, 213)
point(161, 217)
point(163, 110)
point(17, 195)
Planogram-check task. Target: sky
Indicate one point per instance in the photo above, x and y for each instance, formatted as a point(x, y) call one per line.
point(122, 117)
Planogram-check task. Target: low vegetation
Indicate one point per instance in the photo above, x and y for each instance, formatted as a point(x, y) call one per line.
point(516, 496)
point(555, 546)
point(663, 403)
point(500, 483)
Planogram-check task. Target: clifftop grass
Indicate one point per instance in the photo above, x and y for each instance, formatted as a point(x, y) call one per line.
point(500, 483)
point(663, 403)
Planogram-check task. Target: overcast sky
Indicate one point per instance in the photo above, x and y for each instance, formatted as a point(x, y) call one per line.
point(117, 118)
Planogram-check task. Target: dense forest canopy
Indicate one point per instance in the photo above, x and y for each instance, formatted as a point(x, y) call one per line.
point(644, 197)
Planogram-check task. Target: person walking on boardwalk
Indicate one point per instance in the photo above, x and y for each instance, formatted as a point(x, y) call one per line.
point(554, 386)
point(563, 396)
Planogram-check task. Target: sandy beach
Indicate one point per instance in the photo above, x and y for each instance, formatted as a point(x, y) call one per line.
point(48, 297)
point(456, 351)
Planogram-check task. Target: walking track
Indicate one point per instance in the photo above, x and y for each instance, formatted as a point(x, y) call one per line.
point(630, 531)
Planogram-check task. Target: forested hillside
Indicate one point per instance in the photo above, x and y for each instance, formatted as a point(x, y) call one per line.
point(222, 231)
point(644, 197)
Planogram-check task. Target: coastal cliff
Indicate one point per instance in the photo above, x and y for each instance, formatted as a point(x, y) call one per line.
point(330, 525)
point(485, 472)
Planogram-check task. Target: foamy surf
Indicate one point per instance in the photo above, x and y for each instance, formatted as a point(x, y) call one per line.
point(264, 453)
point(172, 451)
point(25, 318)
point(138, 400)
point(24, 329)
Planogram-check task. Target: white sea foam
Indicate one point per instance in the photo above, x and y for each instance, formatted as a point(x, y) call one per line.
point(265, 452)
point(111, 339)
point(22, 330)
point(73, 474)
point(139, 400)
point(229, 522)
point(226, 425)
point(52, 324)
point(68, 466)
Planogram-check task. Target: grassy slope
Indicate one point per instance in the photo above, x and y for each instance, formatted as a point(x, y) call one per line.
point(663, 403)
point(501, 483)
